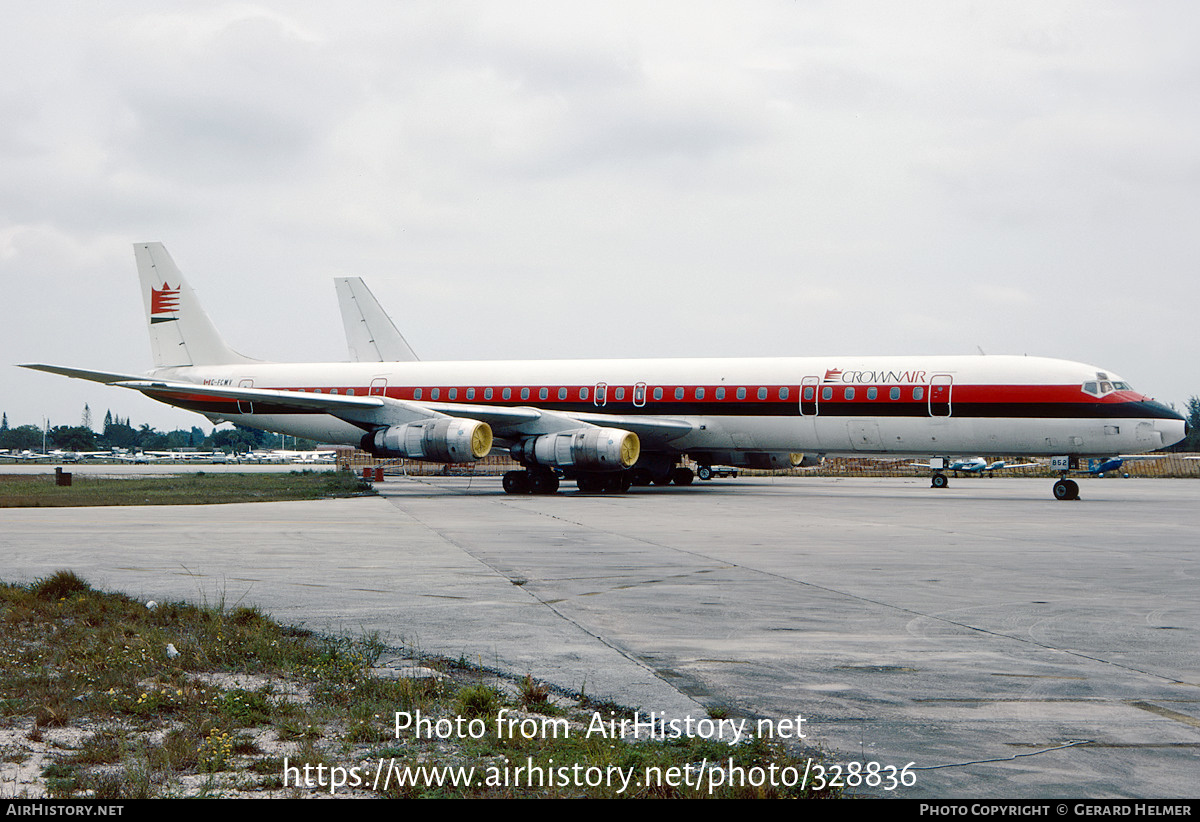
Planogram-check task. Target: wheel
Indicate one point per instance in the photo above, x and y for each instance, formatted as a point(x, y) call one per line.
point(704, 472)
point(516, 482)
point(682, 476)
point(640, 476)
point(617, 483)
point(589, 483)
point(1066, 489)
point(542, 482)
point(940, 481)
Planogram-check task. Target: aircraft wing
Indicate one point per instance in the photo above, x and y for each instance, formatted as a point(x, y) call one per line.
point(524, 421)
point(508, 423)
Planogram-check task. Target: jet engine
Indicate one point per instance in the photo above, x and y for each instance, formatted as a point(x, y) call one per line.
point(444, 439)
point(591, 449)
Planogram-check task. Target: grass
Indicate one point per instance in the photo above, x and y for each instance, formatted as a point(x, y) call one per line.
point(87, 685)
point(198, 488)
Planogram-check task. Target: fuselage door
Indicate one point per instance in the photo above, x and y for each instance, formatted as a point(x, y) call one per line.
point(378, 387)
point(245, 406)
point(639, 394)
point(939, 395)
point(809, 387)
point(600, 398)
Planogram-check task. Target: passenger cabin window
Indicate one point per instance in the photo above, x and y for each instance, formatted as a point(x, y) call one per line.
point(583, 393)
point(808, 393)
point(699, 393)
point(849, 393)
point(562, 393)
point(894, 394)
point(470, 393)
point(619, 394)
point(872, 393)
point(762, 393)
point(506, 393)
point(542, 394)
point(678, 393)
point(658, 393)
point(918, 393)
point(434, 393)
point(487, 393)
point(720, 393)
point(417, 394)
point(741, 393)
point(826, 393)
point(524, 393)
point(350, 391)
point(783, 393)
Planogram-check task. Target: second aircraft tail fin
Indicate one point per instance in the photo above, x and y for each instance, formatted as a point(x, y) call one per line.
point(370, 333)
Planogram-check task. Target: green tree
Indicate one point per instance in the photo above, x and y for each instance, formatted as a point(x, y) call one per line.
point(21, 438)
point(1192, 441)
point(77, 438)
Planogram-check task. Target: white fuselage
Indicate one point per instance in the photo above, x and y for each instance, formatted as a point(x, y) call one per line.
point(869, 405)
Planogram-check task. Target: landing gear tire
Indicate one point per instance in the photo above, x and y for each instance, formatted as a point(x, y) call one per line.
point(516, 482)
point(589, 483)
point(543, 482)
point(682, 476)
point(617, 483)
point(704, 472)
point(1066, 489)
point(939, 481)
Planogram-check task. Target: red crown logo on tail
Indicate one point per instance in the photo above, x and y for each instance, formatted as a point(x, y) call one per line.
point(163, 301)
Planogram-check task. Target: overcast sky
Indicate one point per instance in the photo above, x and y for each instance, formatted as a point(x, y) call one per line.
point(577, 179)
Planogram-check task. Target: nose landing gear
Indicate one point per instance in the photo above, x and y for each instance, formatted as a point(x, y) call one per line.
point(1066, 489)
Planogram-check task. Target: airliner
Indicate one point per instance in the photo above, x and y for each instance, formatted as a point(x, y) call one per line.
point(607, 424)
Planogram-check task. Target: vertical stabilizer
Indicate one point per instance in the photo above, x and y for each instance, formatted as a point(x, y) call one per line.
point(371, 335)
point(181, 333)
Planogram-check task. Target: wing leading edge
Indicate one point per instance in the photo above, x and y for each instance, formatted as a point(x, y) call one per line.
point(369, 412)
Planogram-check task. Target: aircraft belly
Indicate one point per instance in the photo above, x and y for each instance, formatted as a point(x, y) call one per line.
point(750, 434)
point(319, 427)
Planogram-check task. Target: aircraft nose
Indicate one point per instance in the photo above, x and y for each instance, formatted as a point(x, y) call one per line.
point(1172, 431)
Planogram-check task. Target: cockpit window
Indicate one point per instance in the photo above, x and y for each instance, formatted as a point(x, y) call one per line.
point(1103, 387)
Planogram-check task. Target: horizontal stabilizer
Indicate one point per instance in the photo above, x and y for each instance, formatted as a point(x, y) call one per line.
point(108, 377)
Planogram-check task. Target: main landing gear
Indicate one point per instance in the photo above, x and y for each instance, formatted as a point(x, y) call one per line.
point(541, 480)
point(531, 482)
